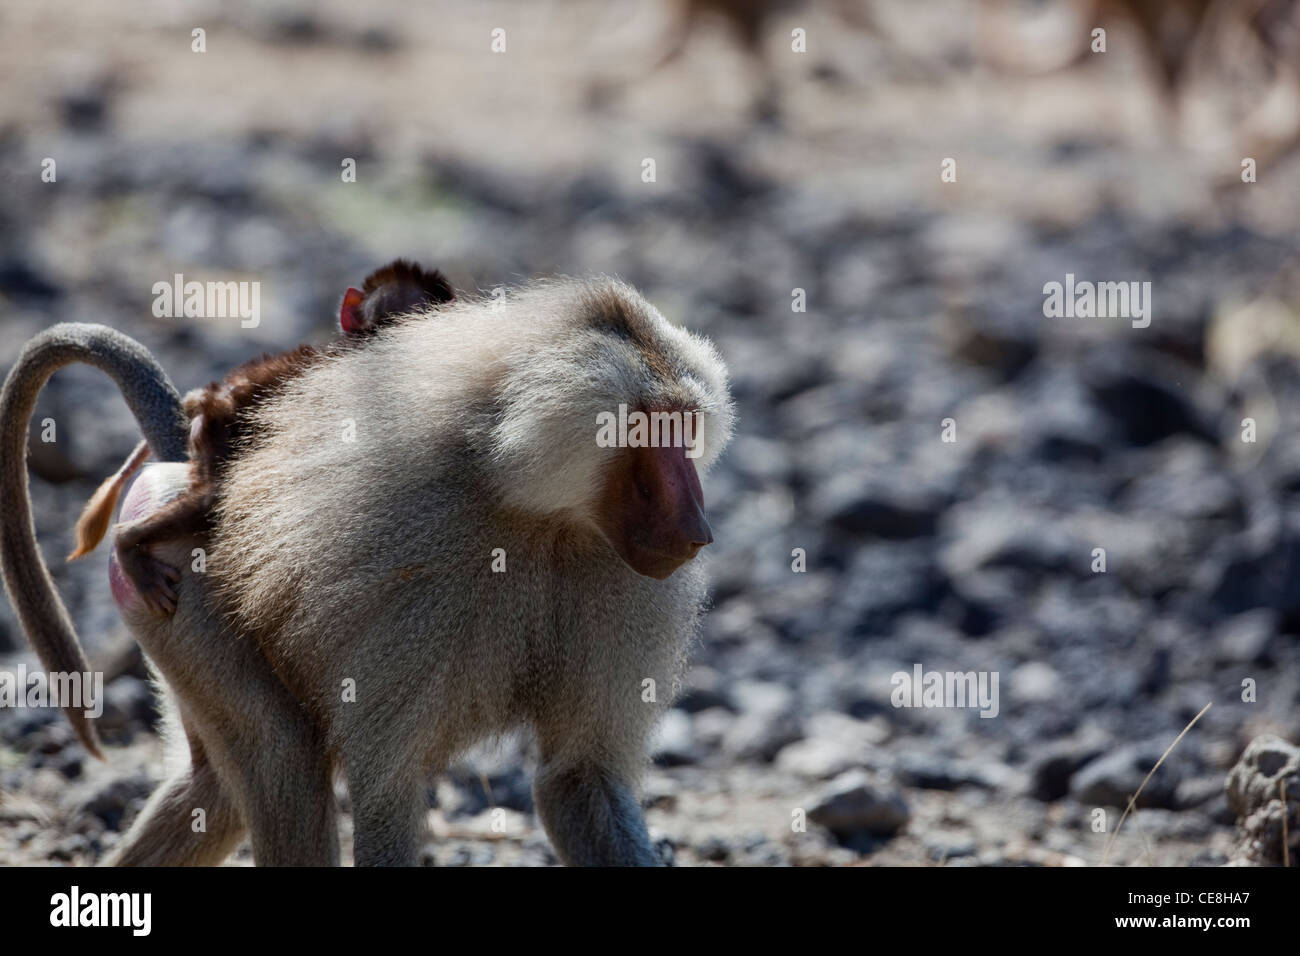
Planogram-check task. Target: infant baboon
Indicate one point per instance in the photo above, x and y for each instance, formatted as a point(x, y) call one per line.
point(398, 288)
point(221, 416)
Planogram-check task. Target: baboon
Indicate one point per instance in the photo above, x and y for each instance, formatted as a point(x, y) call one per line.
point(423, 545)
point(748, 19)
point(1170, 31)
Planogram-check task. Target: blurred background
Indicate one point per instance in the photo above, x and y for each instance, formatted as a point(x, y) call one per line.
point(798, 151)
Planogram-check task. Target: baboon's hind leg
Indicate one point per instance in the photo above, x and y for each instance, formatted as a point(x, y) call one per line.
point(169, 831)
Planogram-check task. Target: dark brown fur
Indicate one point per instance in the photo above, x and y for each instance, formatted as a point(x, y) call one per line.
point(401, 287)
point(399, 273)
point(220, 419)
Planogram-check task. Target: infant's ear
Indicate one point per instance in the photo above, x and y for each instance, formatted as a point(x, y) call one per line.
point(351, 320)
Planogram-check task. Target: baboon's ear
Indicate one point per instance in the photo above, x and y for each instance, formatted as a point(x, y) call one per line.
point(351, 320)
point(652, 510)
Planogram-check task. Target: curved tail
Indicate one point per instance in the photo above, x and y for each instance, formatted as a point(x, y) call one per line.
point(157, 408)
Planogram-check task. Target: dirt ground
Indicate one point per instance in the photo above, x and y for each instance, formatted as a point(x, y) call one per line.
point(818, 171)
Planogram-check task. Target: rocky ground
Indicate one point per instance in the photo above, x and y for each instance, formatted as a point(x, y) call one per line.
point(924, 303)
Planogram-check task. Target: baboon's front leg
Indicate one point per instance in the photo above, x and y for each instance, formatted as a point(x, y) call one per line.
point(592, 816)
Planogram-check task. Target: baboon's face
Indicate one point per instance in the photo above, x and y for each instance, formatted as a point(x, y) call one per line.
point(596, 353)
point(652, 510)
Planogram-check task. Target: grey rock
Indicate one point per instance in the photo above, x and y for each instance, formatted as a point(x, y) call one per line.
point(1198, 791)
point(949, 846)
point(1112, 779)
point(673, 743)
point(1255, 780)
point(1245, 638)
point(705, 688)
point(930, 771)
point(854, 803)
point(111, 803)
point(834, 743)
point(762, 697)
point(461, 794)
point(714, 849)
point(893, 578)
point(1186, 481)
point(1255, 572)
point(848, 505)
point(129, 705)
point(1054, 766)
point(71, 847)
point(981, 535)
point(760, 735)
point(1146, 397)
point(1254, 791)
